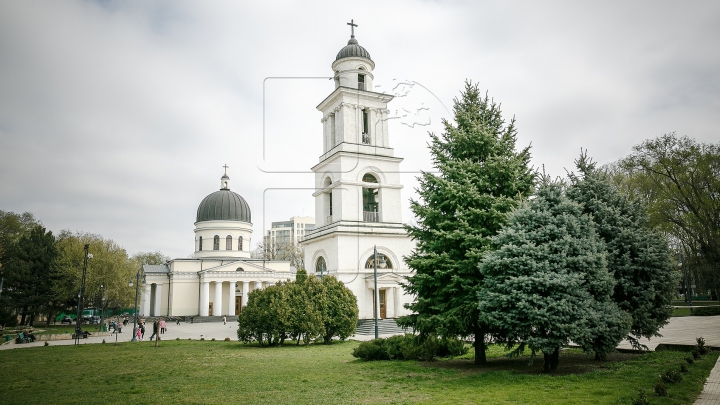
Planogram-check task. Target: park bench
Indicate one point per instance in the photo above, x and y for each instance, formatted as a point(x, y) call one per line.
point(22, 338)
point(83, 335)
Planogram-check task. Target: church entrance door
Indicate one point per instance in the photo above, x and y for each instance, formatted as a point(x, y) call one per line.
point(238, 305)
point(210, 312)
point(381, 298)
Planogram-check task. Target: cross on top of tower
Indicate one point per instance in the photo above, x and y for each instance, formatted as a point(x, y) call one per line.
point(226, 167)
point(352, 28)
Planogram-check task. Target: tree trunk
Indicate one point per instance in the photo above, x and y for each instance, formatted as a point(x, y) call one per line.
point(555, 359)
point(551, 360)
point(480, 345)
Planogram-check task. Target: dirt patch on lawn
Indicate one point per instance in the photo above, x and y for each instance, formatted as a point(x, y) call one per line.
point(570, 363)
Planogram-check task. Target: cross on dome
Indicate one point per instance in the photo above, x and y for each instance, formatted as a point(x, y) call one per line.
point(352, 28)
point(226, 167)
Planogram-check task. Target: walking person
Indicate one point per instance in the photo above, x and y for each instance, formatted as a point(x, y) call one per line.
point(142, 329)
point(224, 320)
point(163, 325)
point(138, 334)
point(156, 326)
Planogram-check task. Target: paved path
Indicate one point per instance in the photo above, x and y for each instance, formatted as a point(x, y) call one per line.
point(684, 330)
point(710, 394)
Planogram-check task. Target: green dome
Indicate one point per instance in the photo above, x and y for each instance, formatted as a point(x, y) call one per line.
point(223, 205)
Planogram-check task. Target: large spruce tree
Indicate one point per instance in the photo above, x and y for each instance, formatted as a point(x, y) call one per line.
point(480, 178)
point(29, 272)
point(638, 257)
point(547, 283)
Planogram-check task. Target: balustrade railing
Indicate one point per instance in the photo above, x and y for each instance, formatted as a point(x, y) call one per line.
point(371, 216)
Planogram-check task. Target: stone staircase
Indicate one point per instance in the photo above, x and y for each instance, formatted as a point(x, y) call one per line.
point(204, 319)
point(385, 327)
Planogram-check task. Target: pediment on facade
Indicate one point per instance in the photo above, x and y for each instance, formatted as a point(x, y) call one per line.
point(240, 265)
point(384, 280)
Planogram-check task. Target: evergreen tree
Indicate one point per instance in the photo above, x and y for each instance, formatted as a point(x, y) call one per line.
point(304, 316)
point(638, 257)
point(29, 273)
point(339, 309)
point(481, 178)
point(547, 283)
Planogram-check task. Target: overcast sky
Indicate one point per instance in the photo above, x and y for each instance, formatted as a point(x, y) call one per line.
point(117, 117)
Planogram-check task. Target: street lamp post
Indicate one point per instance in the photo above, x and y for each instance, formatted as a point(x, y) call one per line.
point(102, 307)
point(375, 291)
point(80, 295)
point(135, 317)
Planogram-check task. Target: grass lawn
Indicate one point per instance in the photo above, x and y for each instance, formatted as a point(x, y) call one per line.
point(686, 311)
point(229, 372)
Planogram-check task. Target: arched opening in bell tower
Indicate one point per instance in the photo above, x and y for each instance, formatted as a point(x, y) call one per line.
point(371, 199)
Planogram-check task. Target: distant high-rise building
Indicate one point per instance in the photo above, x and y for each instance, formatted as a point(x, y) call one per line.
point(289, 232)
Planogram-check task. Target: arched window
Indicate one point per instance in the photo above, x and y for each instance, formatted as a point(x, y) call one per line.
point(228, 242)
point(200, 244)
point(383, 262)
point(369, 178)
point(216, 243)
point(371, 200)
point(240, 243)
point(320, 266)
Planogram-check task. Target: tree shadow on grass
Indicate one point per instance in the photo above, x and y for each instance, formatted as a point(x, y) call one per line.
point(570, 363)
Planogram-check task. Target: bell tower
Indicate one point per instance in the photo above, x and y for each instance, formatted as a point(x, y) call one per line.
point(357, 182)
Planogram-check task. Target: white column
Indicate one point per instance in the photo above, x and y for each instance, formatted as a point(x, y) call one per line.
point(396, 302)
point(377, 304)
point(158, 299)
point(231, 299)
point(246, 291)
point(204, 298)
point(217, 303)
point(145, 308)
point(258, 285)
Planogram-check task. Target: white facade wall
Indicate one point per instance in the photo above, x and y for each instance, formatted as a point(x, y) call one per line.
point(235, 229)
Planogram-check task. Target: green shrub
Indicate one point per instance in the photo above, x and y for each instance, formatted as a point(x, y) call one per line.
point(640, 399)
point(702, 349)
point(689, 360)
point(409, 347)
point(706, 311)
point(660, 390)
point(683, 368)
point(671, 377)
point(696, 353)
point(451, 347)
point(372, 350)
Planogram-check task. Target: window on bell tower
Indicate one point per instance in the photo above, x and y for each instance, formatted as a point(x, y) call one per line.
point(332, 131)
point(371, 200)
point(361, 81)
point(365, 127)
point(228, 242)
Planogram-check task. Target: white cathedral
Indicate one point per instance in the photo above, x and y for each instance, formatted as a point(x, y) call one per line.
point(357, 210)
